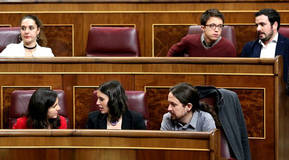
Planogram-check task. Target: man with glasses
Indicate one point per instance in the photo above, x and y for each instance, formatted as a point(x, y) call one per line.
point(208, 44)
point(270, 43)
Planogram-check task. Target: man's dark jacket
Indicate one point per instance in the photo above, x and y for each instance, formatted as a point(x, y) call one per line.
point(231, 117)
point(253, 49)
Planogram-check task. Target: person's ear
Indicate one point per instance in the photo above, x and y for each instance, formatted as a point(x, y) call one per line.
point(189, 107)
point(38, 31)
point(203, 28)
point(275, 25)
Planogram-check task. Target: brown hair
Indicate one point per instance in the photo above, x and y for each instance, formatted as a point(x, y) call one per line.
point(41, 38)
point(211, 13)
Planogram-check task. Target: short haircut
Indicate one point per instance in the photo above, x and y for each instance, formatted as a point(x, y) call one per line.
point(272, 15)
point(211, 13)
point(117, 100)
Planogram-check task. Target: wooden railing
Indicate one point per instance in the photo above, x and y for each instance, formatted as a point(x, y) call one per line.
point(108, 144)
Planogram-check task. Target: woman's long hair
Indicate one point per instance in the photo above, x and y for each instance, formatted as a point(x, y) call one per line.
point(117, 102)
point(186, 93)
point(40, 101)
point(41, 38)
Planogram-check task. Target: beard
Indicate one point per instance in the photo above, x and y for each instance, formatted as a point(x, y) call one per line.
point(173, 116)
point(267, 36)
point(179, 116)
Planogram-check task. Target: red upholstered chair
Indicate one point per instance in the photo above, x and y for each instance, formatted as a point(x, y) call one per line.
point(228, 32)
point(20, 100)
point(284, 31)
point(8, 35)
point(112, 42)
point(136, 102)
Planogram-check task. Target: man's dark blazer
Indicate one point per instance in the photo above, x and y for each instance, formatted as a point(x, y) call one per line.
point(130, 120)
point(253, 49)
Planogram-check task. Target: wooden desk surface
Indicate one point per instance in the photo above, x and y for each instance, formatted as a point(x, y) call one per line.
point(109, 143)
point(139, 65)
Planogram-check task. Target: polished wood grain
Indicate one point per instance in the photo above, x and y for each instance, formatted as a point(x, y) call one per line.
point(250, 35)
point(130, 1)
point(157, 100)
point(252, 101)
point(165, 36)
point(221, 73)
point(84, 102)
point(108, 144)
point(144, 65)
point(150, 6)
point(60, 39)
point(159, 25)
point(258, 83)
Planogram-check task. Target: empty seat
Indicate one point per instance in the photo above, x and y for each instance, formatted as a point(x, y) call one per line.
point(112, 42)
point(9, 35)
point(228, 32)
point(20, 100)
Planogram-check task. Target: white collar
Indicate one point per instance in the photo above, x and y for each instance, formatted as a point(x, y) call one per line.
point(274, 40)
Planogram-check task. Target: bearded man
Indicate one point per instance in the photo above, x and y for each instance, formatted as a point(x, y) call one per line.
point(270, 43)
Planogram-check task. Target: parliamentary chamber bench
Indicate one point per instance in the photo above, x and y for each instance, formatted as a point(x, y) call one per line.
point(258, 83)
point(159, 24)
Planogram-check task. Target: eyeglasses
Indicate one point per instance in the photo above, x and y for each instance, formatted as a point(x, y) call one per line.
point(214, 26)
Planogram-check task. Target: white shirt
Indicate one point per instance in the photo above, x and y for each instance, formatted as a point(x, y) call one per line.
point(268, 51)
point(18, 50)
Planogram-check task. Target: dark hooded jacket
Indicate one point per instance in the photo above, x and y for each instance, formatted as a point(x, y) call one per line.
point(232, 120)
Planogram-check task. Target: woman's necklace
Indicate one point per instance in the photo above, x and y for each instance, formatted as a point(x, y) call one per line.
point(113, 123)
point(30, 47)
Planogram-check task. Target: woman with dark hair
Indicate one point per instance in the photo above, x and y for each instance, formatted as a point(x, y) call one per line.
point(42, 112)
point(113, 112)
point(32, 38)
point(185, 112)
